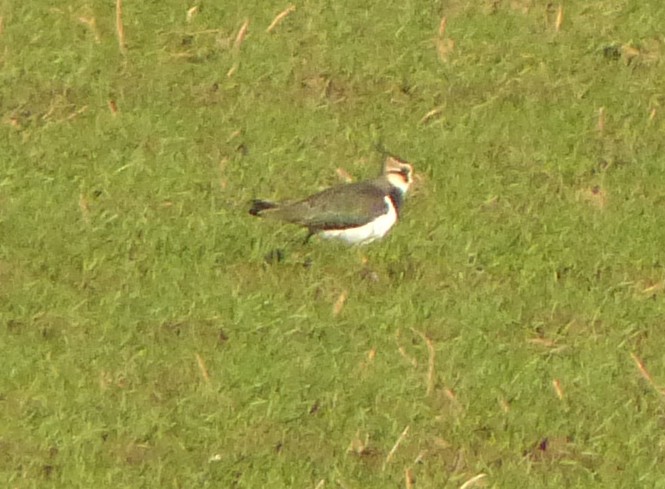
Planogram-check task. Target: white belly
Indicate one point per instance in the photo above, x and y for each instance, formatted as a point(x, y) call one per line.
point(367, 232)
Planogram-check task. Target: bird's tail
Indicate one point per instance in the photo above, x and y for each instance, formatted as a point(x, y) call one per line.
point(258, 206)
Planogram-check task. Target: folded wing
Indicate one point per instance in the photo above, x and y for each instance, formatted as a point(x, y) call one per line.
point(336, 208)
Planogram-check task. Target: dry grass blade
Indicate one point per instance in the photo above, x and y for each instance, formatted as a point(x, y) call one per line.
point(409, 480)
point(113, 107)
point(191, 12)
point(280, 17)
point(320, 484)
point(640, 366)
point(240, 37)
point(202, 368)
point(645, 374)
point(391, 454)
point(629, 53)
point(430, 362)
point(556, 384)
point(402, 352)
point(406, 357)
point(473, 481)
point(430, 366)
point(233, 135)
point(223, 182)
point(542, 342)
point(652, 114)
point(420, 458)
point(596, 196)
point(444, 48)
point(552, 345)
point(2, 24)
point(442, 26)
point(344, 175)
point(559, 18)
point(358, 445)
point(444, 45)
point(431, 114)
point(84, 207)
point(91, 24)
point(339, 303)
point(342, 484)
point(654, 287)
point(450, 394)
point(601, 120)
point(48, 114)
point(119, 27)
point(77, 113)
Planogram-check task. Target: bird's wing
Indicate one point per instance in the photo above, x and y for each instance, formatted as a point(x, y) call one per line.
point(338, 207)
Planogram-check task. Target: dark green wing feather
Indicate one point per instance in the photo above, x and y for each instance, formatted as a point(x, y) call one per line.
point(337, 207)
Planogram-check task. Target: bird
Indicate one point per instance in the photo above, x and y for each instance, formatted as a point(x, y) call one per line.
point(355, 213)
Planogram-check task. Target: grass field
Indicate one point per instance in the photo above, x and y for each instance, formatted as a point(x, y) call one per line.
point(507, 333)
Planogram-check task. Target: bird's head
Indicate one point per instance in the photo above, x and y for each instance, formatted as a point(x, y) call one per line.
point(399, 173)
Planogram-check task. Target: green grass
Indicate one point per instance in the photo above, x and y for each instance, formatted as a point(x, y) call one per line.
point(530, 251)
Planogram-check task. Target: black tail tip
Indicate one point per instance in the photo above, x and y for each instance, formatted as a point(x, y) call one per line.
point(259, 206)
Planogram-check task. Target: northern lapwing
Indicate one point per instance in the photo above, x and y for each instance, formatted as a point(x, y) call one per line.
point(357, 213)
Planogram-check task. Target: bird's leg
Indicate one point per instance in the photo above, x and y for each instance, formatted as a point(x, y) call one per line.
point(310, 233)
